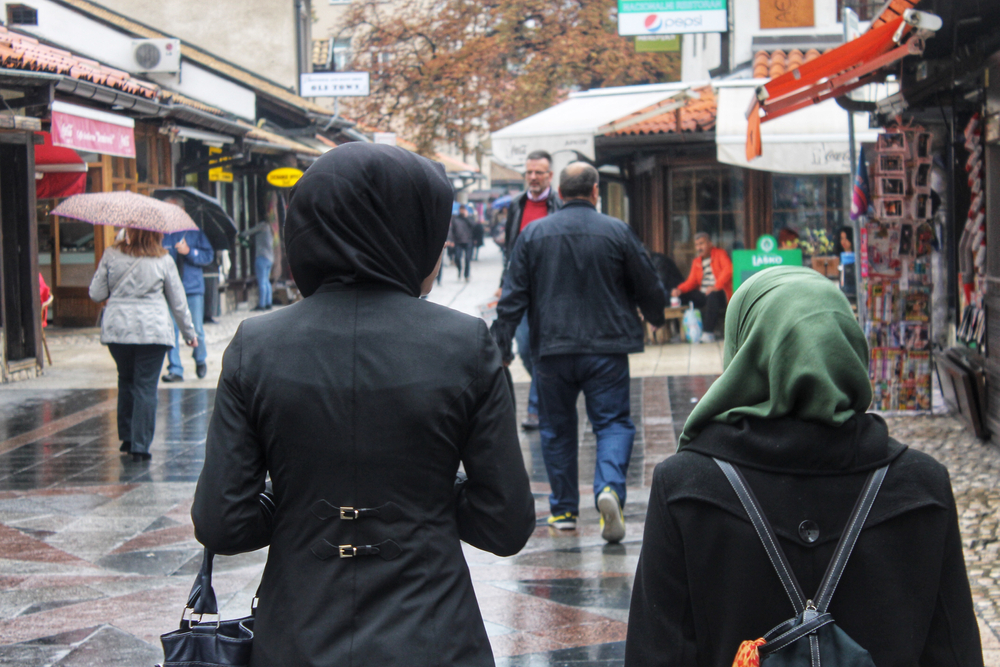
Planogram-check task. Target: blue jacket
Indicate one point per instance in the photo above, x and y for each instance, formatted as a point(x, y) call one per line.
point(189, 266)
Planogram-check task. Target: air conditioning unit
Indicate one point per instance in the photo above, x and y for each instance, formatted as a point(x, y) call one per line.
point(156, 55)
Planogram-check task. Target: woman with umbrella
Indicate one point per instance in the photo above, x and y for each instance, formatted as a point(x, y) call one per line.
point(140, 282)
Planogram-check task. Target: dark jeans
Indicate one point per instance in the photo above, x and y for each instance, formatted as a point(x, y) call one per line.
point(138, 373)
point(712, 306)
point(523, 337)
point(604, 380)
point(463, 250)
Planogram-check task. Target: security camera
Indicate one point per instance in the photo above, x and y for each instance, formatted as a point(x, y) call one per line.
point(923, 20)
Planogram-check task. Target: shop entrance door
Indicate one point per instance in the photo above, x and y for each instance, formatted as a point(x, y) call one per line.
point(18, 273)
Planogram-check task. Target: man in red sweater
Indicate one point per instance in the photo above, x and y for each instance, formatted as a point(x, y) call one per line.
point(709, 285)
point(537, 201)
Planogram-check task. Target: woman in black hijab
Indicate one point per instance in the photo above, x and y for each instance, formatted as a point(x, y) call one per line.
point(361, 401)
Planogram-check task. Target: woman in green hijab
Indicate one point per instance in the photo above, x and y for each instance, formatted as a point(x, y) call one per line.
point(789, 412)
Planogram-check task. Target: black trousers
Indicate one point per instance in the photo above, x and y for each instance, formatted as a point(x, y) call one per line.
point(138, 374)
point(711, 305)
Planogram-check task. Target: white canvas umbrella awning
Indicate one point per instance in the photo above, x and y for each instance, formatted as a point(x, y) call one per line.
point(569, 127)
point(812, 141)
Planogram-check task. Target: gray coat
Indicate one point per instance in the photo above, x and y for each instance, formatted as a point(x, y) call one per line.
point(140, 301)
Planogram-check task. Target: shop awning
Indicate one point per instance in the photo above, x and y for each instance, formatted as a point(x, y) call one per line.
point(837, 72)
point(59, 172)
point(569, 127)
point(804, 143)
point(86, 129)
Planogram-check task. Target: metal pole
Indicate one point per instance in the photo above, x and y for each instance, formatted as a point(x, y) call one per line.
point(850, 18)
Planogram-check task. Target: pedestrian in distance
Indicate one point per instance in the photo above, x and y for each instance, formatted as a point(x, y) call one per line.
point(263, 237)
point(461, 236)
point(140, 282)
point(190, 250)
point(580, 276)
point(362, 416)
point(789, 415)
point(537, 201)
point(709, 285)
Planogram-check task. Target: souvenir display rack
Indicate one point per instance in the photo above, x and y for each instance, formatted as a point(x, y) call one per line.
point(899, 240)
point(972, 246)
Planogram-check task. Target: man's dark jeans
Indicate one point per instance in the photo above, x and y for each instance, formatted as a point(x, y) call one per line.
point(463, 250)
point(712, 306)
point(138, 373)
point(604, 380)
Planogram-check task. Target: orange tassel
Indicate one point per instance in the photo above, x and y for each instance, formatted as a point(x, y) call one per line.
point(747, 655)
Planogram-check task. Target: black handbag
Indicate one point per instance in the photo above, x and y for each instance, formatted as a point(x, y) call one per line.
point(208, 643)
point(810, 638)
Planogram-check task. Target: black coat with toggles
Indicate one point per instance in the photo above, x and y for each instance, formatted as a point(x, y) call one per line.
point(361, 402)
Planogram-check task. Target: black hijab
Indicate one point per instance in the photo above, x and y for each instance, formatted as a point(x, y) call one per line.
point(368, 213)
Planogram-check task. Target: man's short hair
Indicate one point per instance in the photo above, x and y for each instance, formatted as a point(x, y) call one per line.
point(577, 180)
point(541, 155)
point(703, 235)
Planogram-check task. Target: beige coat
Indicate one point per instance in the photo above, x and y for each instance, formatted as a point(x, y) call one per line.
point(140, 301)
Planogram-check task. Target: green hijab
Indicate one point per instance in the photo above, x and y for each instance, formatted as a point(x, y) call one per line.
point(793, 349)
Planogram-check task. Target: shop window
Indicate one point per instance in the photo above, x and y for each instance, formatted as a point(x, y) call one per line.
point(814, 207)
point(706, 200)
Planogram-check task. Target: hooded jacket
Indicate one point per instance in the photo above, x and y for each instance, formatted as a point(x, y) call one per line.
point(361, 402)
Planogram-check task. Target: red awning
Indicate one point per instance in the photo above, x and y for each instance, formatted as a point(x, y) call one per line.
point(63, 172)
point(836, 72)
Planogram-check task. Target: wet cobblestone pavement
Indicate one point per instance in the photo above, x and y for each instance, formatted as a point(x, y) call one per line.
point(97, 553)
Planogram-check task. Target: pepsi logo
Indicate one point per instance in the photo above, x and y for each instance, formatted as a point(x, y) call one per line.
point(653, 23)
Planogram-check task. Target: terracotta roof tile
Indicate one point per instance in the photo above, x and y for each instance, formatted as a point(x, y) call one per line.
point(697, 115)
point(774, 64)
point(20, 52)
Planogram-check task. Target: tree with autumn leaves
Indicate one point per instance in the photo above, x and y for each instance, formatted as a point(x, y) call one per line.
point(443, 71)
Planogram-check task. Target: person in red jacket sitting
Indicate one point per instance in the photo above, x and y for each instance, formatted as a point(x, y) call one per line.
point(709, 285)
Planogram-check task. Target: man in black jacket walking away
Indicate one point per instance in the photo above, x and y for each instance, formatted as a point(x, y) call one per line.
point(580, 275)
point(460, 237)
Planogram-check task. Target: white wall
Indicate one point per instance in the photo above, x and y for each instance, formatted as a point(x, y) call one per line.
point(83, 36)
point(258, 35)
point(744, 20)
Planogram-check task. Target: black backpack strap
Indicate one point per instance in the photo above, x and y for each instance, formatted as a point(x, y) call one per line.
point(766, 534)
point(846, 545)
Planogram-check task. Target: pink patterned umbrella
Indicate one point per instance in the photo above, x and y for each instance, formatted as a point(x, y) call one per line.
point(126, 209)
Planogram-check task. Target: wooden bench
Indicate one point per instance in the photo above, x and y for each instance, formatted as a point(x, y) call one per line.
point(661, 335)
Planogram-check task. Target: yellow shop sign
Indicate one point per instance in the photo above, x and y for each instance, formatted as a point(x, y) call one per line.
point(285, 177)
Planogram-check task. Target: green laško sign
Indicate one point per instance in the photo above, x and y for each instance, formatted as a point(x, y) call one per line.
point(668, 17)
point(766, 256)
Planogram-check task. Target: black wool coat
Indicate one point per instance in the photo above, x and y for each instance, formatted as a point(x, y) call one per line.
point(364, 398)
point(704, 583)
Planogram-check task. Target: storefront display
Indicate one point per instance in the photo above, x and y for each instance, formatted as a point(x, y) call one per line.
point(899, 240)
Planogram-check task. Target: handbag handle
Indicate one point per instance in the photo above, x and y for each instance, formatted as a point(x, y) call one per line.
point(202, 598)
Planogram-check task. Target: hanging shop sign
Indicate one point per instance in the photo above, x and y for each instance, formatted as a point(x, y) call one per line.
point(335, 84)
point(669, 17)
point(219, 174)
point(93, 131)
point(766, 256)
point(284, 177)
